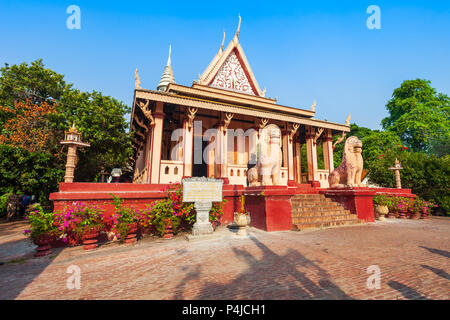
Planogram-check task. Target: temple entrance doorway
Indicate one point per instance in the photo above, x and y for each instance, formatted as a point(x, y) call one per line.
point(200, 167)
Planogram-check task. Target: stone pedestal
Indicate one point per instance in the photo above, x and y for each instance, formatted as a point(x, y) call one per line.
point(358, 200)
point(202, 226)
point(270, 207)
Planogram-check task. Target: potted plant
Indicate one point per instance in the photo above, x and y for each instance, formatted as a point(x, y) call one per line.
point(216, 212)
point(393, 203)
point(89, 228)
point(427, 205)
point(80, 224)
point(42, 230)
point(171, 213)
point(242, 218)
point(124, 222)
point(381, 206)
point(166, 222)
point(416, 208)
point(403, 206)
point(144, 220)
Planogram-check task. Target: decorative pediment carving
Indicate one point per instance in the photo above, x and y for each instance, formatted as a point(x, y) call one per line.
point(231, 76)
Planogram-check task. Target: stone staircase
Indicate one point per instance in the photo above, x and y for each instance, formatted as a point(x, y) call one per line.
point(315, 211)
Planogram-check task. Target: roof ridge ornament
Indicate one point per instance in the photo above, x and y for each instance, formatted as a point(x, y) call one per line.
point(223, 43)
point(347, 121)
point(236, 36)
point(137, 82)
point(313, 107)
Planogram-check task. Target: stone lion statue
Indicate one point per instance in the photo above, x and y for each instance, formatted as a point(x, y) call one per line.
point(267, 169)
point(348, 174)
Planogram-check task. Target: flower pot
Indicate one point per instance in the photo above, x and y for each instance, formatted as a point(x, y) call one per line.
point(132, 233)
point(43, 243)
point(414, 215)
point(144, 231)
point(382, 212)
point(90, 239)
point(169, 233)
point(424, 214)
point(242, 220)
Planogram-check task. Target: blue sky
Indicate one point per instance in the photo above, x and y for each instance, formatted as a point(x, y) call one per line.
point(299, 51)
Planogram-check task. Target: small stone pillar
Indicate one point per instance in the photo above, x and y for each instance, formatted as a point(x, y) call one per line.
point(73, 140)
point(397, 167)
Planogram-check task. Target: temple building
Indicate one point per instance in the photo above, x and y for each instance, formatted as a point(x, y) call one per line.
point(226, 97)
point(276, 161)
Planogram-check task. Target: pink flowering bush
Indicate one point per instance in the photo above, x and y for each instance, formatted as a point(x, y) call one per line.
point(76, 220)
point(122, 219)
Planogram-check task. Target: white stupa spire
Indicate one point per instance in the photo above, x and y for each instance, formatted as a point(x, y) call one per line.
point(167, 76)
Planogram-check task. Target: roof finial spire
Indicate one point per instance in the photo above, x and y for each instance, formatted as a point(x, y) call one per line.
point(170, 52)
point(167, 76)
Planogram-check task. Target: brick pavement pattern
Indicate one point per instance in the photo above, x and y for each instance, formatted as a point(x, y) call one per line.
point(413, 257)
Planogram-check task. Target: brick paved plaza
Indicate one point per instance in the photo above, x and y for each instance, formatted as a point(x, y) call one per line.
point(413, 257)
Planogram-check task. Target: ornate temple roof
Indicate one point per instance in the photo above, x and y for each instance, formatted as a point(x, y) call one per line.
point(230, 70)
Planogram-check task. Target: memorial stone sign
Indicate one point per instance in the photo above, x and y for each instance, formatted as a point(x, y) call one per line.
point(203, 192)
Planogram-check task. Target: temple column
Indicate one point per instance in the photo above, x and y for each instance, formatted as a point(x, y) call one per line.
point(328, 150)
point(188, 146)
point(148, 155)
point(311, 153)
point(157, 132)
point(222, 140)
point(288, 155)
point(298, 163)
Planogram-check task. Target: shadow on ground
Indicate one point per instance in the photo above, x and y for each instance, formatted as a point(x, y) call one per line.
point(18, 266)
point(437, 251)
point(260, 281)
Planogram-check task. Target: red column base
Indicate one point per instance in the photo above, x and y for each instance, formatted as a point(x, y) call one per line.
point(358, 200)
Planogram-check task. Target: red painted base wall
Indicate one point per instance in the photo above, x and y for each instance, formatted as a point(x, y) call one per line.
point(269, 206)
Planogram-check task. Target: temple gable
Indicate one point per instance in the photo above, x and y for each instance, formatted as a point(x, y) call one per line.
point(232, 76)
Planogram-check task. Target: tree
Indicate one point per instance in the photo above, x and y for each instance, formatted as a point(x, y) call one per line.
point(29, 82)
point(33, 96)
point(418, 115)
point(28, 126)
